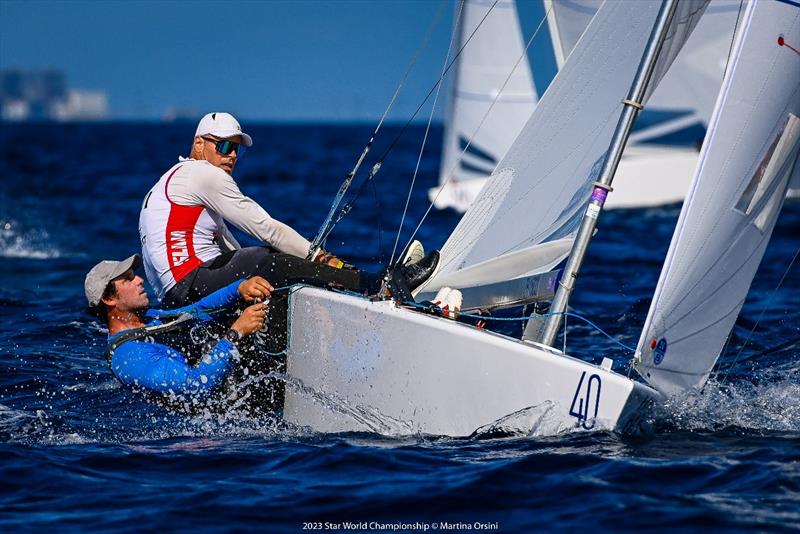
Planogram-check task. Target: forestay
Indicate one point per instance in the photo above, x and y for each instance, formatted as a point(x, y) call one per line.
point(524, 220)
point(748, 158)
point(693, 81)
point(495, 53)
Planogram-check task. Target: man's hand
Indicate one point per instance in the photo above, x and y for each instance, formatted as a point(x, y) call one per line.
point(255, 288)
point(328, 259)
point(251, 319)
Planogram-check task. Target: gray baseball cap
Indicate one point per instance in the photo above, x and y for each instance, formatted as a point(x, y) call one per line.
point(101, 274)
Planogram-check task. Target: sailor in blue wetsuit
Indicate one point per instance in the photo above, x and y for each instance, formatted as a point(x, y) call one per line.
point(172, 353)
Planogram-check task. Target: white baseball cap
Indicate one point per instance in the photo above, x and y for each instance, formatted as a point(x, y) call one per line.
point(222, 125)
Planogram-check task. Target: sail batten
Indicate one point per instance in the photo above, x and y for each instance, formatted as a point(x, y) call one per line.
point(750, 154)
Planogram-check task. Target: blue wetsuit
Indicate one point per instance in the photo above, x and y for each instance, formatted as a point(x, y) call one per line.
point(162, 369)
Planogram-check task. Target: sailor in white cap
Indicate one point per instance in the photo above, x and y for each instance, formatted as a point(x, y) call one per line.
point(182, 220)
point(188, 250)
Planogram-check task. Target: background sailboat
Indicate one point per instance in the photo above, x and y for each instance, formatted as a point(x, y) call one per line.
point(651, 173)
point(524, 220)
point(493, 58)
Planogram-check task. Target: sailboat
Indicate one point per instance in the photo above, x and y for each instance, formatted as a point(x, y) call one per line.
point(650, 174)
point(491, 98)
point(360, 365)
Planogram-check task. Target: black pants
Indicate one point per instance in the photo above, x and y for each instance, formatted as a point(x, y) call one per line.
point(280, 270)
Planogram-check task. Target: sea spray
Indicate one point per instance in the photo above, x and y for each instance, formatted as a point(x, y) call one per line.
point(763, 403)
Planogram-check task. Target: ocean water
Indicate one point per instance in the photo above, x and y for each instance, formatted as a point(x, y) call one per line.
point(78, 451)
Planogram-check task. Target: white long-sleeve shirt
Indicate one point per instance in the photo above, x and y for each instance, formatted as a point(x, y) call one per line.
point(182, 222)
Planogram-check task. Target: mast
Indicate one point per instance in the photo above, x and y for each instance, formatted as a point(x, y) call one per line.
point(534, 330)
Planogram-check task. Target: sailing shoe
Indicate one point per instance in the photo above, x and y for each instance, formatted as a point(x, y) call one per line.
point(449, 300)
point(404, 279)
point(416, 273)
point(414, 253)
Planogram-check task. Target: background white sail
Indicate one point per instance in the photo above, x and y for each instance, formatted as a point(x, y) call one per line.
point(567, 20)
point(693, 81)
point(524, 219)
point(747, 161)
point(484, 65)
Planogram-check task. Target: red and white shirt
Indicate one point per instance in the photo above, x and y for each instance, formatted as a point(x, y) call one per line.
point(182, 223)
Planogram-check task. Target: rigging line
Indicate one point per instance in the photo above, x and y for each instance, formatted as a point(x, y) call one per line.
point(195, 311)
point(760, 316)
point(449, 175)
point(456, 25)
point(438, 82)
point(507, 319)
point(733, 38)
point(327, 227)
point(349, 205)
point(478, 316)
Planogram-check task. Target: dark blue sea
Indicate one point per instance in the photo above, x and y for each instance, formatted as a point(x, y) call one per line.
point(78, 451)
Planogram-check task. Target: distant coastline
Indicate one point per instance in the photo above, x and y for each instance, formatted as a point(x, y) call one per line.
point(43, 95)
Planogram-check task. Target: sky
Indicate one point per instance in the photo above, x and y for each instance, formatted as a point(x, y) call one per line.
point(267, 60)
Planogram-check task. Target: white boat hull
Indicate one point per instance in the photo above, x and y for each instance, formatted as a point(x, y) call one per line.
point(355, 365)
point(652, 175)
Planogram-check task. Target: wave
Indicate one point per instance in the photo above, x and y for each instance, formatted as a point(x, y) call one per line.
point(16, 242)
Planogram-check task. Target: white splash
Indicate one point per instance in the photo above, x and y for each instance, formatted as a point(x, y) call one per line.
point(769, 404)
point(533, 421)
point(16, 242)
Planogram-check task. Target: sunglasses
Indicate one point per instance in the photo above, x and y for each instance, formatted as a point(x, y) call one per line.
point(223, 146)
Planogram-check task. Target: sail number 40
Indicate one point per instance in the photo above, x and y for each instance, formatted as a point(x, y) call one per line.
point(586, 401)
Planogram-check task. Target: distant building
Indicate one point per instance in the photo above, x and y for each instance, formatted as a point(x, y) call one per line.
point(82, 105)
point(43, 95)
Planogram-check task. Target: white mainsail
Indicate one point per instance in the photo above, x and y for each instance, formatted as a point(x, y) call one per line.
point(523, 221)
point(495, 53)
point(749, 156)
